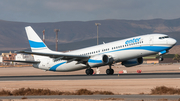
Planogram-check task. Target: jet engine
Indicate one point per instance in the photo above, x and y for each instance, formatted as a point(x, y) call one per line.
point(133, 62)
point(100, 60)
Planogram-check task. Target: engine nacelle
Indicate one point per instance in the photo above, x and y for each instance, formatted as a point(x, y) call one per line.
point(133, 62)
point(99, 60)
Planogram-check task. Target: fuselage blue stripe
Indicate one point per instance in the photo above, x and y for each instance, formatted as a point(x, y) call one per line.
point(34, 44)
point(94, 61)
point(53, 68)
point(149, 48)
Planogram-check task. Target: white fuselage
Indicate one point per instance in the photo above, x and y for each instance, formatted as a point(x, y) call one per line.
point(121, 50)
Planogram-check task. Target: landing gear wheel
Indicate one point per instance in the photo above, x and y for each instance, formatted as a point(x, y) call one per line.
point(89, 71)
point(161, 58)
point(109, 71)
point(112, 71)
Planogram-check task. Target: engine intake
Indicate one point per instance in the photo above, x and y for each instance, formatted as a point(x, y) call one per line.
point(99, 60)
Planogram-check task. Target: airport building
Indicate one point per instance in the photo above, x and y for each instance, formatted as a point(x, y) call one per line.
point(150, 59)
point(1, 59)
point(153, 59)
point(8, 56)
point(23, 57)
point(14, 56)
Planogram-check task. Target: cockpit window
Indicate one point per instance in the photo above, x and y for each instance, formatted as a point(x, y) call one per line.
point(163, 37)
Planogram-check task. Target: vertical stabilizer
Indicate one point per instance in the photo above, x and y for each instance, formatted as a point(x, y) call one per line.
point(36, 44)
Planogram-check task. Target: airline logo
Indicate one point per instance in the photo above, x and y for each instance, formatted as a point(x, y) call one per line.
point(34, 44)
point(134, 40)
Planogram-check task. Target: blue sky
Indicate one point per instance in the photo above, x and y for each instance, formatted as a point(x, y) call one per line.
point(87, 10)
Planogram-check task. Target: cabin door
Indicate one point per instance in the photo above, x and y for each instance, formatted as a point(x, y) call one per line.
point(151, 39)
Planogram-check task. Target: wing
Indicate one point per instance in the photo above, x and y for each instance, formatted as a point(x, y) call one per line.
point(23, 61)
point(59, 56)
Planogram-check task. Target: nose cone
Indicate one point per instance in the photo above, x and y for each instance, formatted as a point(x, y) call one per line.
point(172, 41)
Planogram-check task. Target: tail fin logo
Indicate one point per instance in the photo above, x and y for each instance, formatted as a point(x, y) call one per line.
point(34, 44)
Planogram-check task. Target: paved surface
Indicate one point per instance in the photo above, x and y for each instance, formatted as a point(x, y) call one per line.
point(95, 97)
point(125, 97)
point(89, 77)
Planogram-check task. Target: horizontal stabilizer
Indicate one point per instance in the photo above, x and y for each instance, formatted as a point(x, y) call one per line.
point(23, 61)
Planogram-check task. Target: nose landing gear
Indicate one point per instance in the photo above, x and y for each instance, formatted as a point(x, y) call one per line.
point(161, 58)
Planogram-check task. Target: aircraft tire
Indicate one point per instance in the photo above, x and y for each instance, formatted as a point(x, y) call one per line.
point(92, 71)
point(112, 71)
point(109, 71)
point(161, 59)
point(89, 71)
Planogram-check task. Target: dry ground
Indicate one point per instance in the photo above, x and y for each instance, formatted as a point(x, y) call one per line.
point(121, 86)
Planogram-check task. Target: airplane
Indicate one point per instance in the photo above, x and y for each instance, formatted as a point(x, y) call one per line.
point(127, 51)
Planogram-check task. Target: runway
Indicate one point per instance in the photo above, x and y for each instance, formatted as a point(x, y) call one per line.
point(90, 77)
point(98, 97)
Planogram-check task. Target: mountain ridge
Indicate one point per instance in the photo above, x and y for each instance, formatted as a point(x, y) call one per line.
point(12, 34)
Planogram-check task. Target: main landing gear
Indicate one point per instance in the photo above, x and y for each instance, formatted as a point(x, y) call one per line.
point(89, 71)
point(110, 71)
